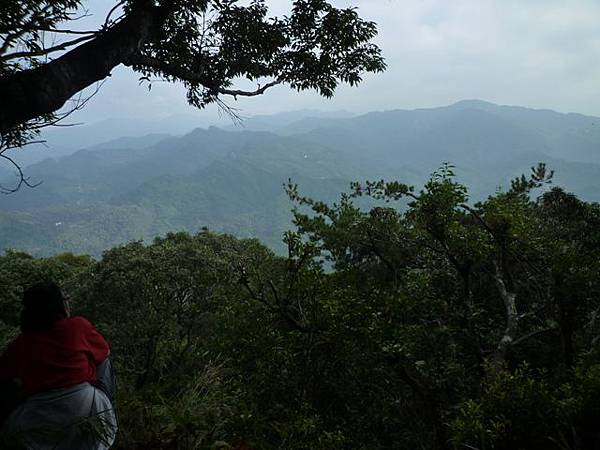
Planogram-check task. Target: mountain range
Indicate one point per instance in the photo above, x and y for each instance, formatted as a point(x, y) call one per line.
point(231, 179)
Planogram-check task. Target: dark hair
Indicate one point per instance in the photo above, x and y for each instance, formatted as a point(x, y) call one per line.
point(43, 305)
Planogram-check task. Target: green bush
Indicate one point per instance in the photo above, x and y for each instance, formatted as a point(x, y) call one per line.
point(517, 410)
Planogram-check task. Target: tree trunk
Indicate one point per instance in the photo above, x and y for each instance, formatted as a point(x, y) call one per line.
point(31, 93)
point(510, 331)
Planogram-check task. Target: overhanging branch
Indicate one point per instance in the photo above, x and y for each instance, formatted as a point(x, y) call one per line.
point(21, 179)
point(259, 91)
point(46, 51)
point(184, 74)
point(31, 25)
point(32, 93)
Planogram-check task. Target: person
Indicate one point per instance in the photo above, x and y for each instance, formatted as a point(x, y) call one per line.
point(57, 378)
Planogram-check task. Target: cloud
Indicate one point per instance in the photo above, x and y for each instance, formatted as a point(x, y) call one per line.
point(538, 53)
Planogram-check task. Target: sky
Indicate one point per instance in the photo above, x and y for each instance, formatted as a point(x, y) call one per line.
point(533, 53)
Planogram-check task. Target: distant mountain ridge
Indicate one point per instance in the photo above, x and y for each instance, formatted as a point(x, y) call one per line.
point(553, 131)
point(232, 181)
point(63, 141)
point(276, 123)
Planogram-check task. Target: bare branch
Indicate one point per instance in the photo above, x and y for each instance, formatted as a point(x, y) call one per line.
point(77, 103)
point(86, 13)
point(509, 300)
point(479, 219)
point(256, 296)
point(280, 309)
point(22, 180)
point(259, 91)
point(110, 13)
point(229, 111)
point(183, 73)
point(62, 31)
point(5, 148)
point(46, 51)
point(275, 293)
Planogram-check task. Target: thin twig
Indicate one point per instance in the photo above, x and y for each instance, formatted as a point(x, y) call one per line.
point(45, 51)
point(112, 10)
point(63, 31)
point(22, 179)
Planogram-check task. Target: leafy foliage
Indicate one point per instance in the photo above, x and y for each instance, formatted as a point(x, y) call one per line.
point(205, 44)
point(416, 321)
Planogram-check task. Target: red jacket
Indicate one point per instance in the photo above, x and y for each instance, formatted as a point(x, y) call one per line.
point(65, 355)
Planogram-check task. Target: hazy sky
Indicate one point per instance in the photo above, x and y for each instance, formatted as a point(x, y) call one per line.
point(535, 53)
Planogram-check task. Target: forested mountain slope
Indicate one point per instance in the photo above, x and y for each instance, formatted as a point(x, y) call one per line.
point(136, 188)
point(66, 140)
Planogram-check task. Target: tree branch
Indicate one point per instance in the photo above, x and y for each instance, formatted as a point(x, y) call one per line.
point(110, 13)
point(509, 300)
point(22, 180)
point(281, 310)
point(26, 28)
point(42, 90)
point(62, 31)
point(46, 51)
point(191, 76)
point(479, 219)
point(77, 104)
point(259, 91)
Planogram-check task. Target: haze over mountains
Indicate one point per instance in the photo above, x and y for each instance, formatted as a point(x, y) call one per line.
point(232, 179)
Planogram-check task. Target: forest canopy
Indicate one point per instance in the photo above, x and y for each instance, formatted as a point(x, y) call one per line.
point(423, 321)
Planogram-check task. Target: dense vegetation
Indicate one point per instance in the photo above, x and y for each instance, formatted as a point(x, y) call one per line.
point(423, 322)
point(231, 182)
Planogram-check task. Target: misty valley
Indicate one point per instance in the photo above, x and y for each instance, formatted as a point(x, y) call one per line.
point(232, 180)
